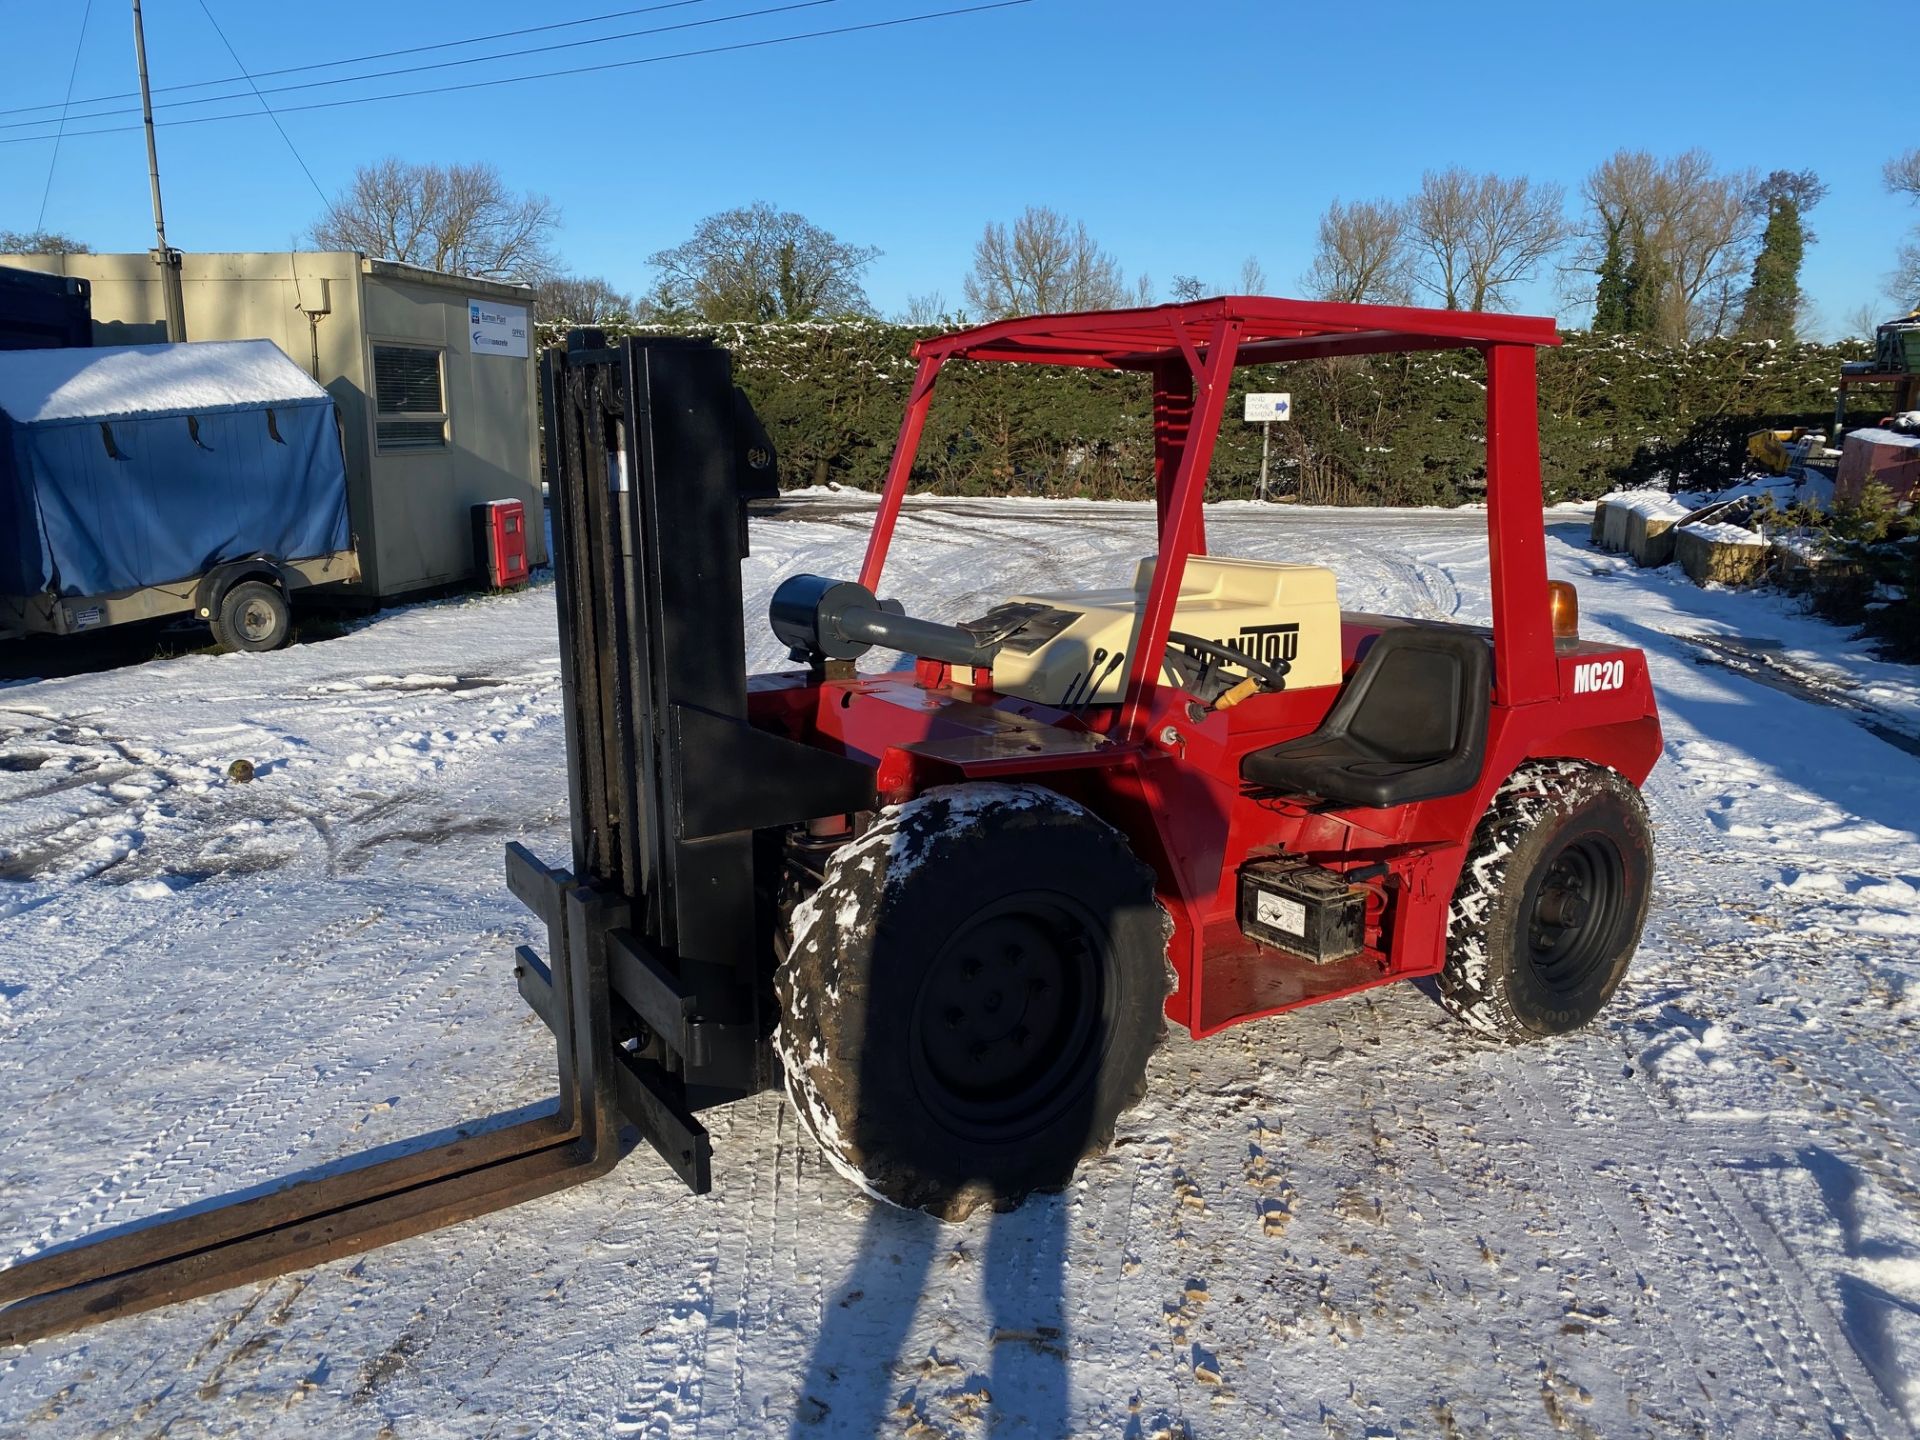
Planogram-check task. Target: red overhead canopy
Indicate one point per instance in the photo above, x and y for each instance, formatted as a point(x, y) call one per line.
point(1270, 330)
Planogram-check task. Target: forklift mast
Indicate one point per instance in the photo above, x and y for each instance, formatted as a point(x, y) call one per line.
point(652, 456)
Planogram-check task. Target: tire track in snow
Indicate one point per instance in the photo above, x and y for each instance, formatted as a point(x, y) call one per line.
point(1656, 1276)
point(668, 1402)
point(203, 1152)
point(720, 1410)
point(1832, 1083)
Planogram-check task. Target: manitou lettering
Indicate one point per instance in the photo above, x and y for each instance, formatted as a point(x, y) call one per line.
point(1599, 675)
point(1268, 644)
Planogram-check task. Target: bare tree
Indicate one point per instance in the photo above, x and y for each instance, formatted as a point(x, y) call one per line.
point(1477, 236)
point(1439, 220)
point(459, 218)
point(1187, 288)
point(1362, 254)
point(41, 242)
point(1690, 231)
point(1043, 263)
point(1903, 178)
point(584, 300)
point(1863, 321)
point(1905, 284)
point(927, 309)
point(1521, 224)
point(1903, 174)
point(757, 263)
point(1253, 278)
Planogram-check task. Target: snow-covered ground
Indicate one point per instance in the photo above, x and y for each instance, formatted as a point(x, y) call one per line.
point(1702, 1216)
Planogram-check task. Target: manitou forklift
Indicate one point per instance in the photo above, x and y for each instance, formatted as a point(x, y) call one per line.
point(950, 902)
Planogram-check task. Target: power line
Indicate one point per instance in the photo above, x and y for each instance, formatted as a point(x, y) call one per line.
point(361, 59)
point(453, 64)
point(559, 74)
point(264, 106)
point(46, 191)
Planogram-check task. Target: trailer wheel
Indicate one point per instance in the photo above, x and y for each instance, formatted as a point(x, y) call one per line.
point(1550, 906)
point(970, 998)
point(253, 615)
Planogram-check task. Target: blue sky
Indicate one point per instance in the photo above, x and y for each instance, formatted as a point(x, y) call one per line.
point(1186, 135)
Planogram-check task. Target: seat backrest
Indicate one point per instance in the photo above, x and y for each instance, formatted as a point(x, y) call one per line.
point(1418, 694)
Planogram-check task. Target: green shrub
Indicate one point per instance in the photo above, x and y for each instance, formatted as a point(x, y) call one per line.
point(1395, 429)
point(1870, 575)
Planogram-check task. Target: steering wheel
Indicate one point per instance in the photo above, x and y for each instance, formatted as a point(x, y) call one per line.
point(1273, 677)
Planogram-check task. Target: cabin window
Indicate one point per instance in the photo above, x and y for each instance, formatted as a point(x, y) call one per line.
point(410, 404)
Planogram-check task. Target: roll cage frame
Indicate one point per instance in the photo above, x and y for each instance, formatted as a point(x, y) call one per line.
point(1191, 351)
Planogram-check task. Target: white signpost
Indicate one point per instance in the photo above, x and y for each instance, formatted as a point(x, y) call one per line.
point(498, 328)
point(1267, 408)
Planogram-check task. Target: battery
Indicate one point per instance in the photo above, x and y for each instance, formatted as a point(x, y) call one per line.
point(1302, 909)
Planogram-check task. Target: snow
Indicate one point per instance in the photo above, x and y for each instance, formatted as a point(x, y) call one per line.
point(1722, 533)
point(1807, 487)
point(1700, 1216)
point(1649, 504)
point(110, 382)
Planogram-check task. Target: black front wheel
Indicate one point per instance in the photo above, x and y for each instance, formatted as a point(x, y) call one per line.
point(970, 998)
point(1550, 906)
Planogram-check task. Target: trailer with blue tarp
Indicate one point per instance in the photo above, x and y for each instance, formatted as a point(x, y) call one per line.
point(143, 481)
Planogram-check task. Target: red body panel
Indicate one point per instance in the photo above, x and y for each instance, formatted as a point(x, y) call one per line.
point(1165, 770)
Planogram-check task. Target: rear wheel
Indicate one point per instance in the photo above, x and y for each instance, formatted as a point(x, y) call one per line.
point(970, 998)
point(253, 615)
point(1550, 906)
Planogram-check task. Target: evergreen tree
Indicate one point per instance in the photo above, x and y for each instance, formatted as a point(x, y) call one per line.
point(1773, 295)
point(1610, 303)
point(1645, 282)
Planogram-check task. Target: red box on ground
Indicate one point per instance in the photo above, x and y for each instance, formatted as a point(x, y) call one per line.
point(500, 542)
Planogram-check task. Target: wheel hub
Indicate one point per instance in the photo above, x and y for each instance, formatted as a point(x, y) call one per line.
point(1571, 921)
point(1006, 1012)
point(256, 620)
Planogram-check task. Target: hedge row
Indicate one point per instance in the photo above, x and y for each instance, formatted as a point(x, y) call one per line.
point(1398, 430)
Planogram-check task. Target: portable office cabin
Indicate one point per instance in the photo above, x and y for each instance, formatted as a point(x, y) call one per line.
point(432, 374)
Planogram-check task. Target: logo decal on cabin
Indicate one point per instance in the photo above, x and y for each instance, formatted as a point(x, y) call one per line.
point(1599, 675)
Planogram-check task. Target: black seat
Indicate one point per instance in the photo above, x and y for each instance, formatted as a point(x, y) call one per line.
point(1411, 724)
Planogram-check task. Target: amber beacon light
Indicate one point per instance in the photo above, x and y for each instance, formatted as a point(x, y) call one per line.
point(1565, 603)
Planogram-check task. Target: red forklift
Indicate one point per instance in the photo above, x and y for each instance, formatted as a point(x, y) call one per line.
point(950, 905)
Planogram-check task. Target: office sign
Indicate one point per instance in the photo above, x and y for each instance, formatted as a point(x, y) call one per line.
point(498, 328)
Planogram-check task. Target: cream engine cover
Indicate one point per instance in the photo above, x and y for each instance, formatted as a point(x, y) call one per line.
point(1074, 652)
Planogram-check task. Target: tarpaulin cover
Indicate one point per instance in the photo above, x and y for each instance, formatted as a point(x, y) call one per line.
point(132, 465)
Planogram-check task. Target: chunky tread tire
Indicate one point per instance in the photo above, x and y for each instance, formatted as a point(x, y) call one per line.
point(231, 624)
point(874, 956)
point(1544, 810)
